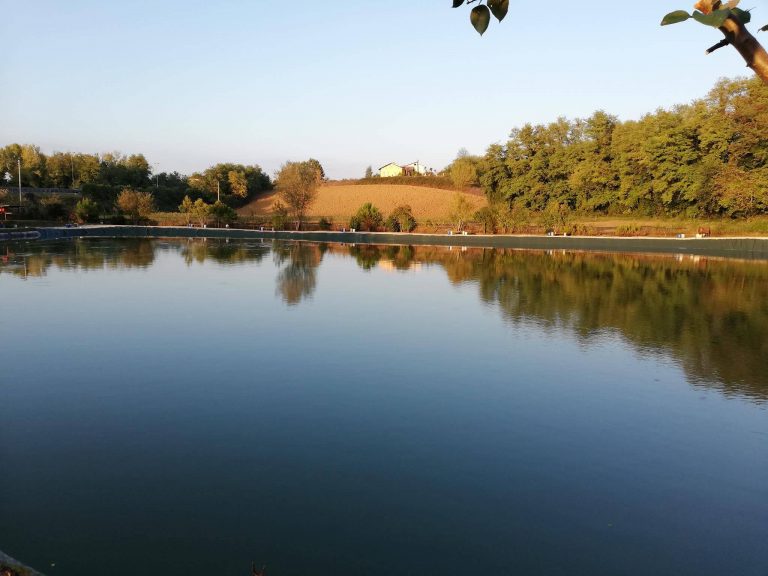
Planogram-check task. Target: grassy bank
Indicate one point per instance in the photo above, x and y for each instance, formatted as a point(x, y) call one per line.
point(340, 201)
point(586, 226)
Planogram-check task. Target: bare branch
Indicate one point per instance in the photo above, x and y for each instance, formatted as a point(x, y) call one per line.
point(721, 44)
point(750, 49)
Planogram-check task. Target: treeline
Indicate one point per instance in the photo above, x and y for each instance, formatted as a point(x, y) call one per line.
point(102, 177)
point(706, 158)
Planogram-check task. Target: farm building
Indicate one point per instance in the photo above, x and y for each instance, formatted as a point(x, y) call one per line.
point(412, 169)
point(391, 170)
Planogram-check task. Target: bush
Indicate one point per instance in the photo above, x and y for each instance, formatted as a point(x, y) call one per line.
point(488, 218)
point(105, 196)
point(324, 223)
point(279, 216)
point(223, 213)
point(461, 211)
point(368, 218)
point(514, 218)
point(627, 230)
point(136, 205)
point(401, 219)
point(556, 217)
point(53, 208)
point(86, 211)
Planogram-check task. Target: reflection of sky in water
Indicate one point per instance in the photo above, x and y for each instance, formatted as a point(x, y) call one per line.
point(382, 422)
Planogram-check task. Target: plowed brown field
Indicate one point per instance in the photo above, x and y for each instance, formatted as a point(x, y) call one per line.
point(339, 202)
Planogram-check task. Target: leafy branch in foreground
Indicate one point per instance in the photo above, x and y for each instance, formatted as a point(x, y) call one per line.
point(480, 16)
point(731, 21)
point(727, 17)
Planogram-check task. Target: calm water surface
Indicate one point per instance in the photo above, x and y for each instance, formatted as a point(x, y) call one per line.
point(186, 407)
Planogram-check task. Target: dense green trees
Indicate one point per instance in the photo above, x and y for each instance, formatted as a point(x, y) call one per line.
point(102, 176)
point(232, 183)
point(70, 170)
point(706, 158)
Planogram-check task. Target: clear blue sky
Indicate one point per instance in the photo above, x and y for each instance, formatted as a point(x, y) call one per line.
point(193, 83)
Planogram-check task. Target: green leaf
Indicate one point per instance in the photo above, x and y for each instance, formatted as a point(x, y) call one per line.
point(499, 8)
point(714, 19)
point(675, 17)
point(457, 3)
point(742, 16)
point(480, 18)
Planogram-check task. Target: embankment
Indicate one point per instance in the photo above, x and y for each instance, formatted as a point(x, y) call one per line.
point(752, 248)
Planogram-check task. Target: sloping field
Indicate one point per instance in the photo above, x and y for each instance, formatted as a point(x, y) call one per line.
point(339, 202)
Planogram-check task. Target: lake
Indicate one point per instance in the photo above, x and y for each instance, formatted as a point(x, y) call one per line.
point(186, 407)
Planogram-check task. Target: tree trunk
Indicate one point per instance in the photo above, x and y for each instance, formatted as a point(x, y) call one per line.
point(750, 49)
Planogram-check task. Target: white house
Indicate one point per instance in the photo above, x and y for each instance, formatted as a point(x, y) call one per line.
point(413, 169)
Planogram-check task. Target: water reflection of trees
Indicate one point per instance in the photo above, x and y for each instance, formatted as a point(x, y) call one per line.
point(710, 314)
point(35, 259)
point(222, 251)
point(298, 263)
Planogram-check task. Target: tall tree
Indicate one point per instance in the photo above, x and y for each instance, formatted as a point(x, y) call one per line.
point(136, 205)
point(463, 171)
point(297, 184)
point(237, 183)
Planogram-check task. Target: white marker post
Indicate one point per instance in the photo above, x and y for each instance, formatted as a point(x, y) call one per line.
point(7, 177)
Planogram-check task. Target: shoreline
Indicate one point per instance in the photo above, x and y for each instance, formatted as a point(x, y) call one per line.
point(734, 247)
point(17, 568)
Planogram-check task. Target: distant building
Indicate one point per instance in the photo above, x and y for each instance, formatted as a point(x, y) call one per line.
point(391, 170)
point(413, 169)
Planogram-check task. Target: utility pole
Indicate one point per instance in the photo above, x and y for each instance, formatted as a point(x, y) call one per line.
point(18, 160)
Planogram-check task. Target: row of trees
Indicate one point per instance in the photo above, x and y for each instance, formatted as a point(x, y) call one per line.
point(73, 170)
point(136, 206)
point(706, 158)
point(103, 176)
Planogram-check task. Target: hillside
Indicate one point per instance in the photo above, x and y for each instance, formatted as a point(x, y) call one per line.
point(340, 201)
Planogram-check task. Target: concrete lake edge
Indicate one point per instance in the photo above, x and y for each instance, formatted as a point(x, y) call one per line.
point(740, 247)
